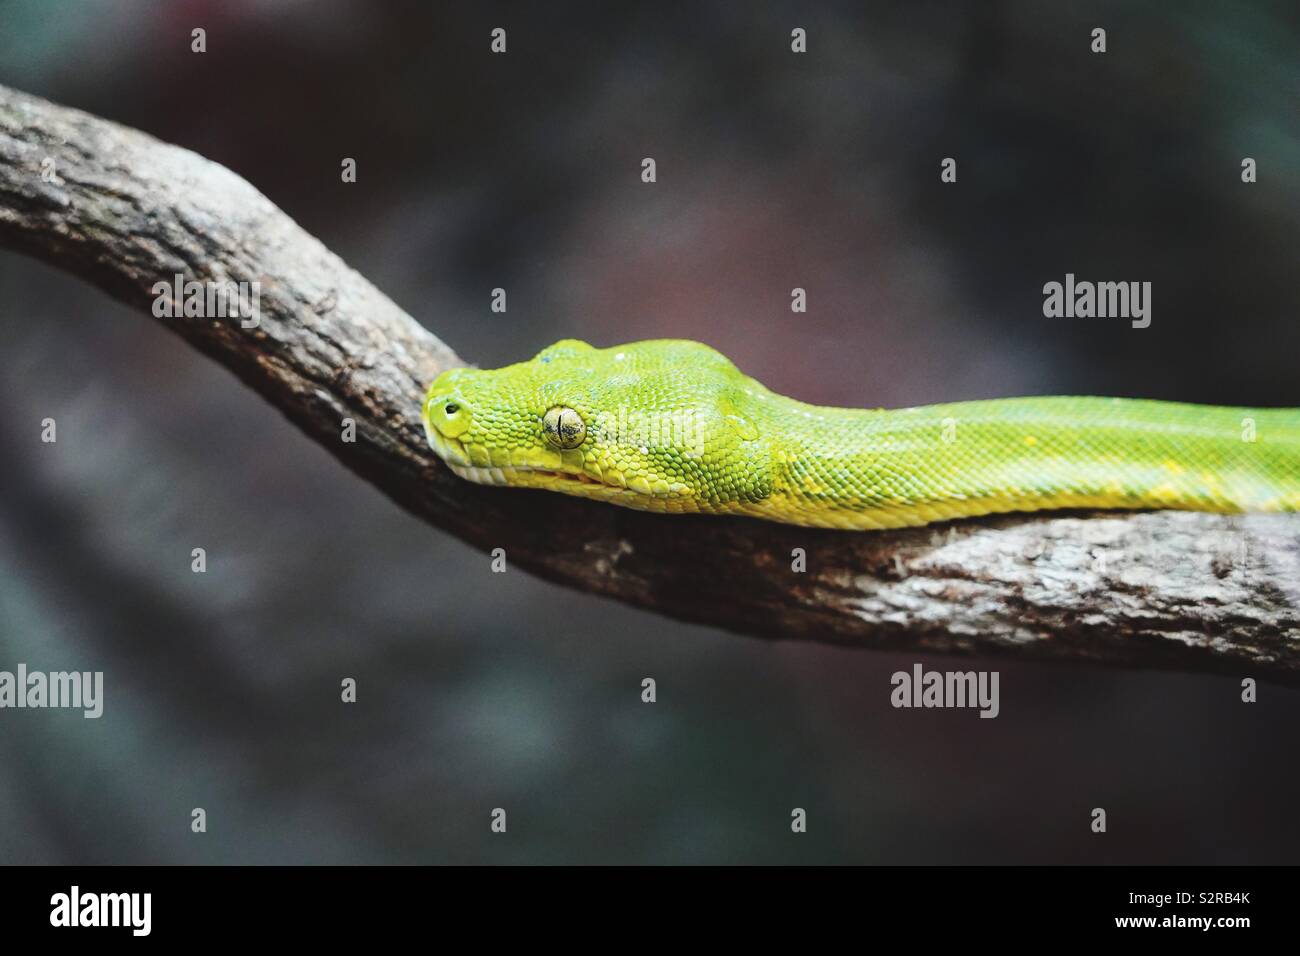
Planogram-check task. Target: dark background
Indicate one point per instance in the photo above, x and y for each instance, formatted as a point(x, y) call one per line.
point(480, 690)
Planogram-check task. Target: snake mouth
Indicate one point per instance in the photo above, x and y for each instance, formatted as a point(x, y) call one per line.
point(452, 451)
point(614, 486)
point(511, 475)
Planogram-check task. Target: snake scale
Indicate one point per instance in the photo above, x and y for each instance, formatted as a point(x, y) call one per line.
point(673, 426)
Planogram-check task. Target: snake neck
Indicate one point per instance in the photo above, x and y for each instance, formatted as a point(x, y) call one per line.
point(862, 469)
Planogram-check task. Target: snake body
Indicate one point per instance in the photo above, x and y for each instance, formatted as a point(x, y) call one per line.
point(673, 426)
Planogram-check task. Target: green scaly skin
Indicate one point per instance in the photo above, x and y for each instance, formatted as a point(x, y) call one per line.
point(672, 426)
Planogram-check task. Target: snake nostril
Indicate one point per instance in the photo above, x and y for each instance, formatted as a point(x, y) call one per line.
point(449, 414)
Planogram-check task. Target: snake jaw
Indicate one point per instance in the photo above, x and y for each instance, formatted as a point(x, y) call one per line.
point(522, 477)
point(611, 486)
point(453, 452)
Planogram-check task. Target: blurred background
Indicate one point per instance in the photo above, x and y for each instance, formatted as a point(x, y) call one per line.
point(522, 171)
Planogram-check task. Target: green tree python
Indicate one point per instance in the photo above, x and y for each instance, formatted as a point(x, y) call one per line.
point(673, 426)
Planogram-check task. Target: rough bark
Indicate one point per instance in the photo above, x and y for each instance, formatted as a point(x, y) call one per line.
point(1164, 589)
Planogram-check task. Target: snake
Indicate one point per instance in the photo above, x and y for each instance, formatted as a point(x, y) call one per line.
point(673, 426)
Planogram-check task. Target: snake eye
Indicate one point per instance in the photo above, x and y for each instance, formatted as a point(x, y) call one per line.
point(563, 427)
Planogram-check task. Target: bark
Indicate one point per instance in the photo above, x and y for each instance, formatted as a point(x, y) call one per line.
point(1162, 589)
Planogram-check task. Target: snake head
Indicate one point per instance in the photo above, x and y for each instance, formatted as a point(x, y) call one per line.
point(655, 425)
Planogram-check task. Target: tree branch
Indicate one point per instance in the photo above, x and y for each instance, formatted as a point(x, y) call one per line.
point(1162, 589)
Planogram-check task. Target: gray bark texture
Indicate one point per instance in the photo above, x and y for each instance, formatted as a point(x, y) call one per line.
point(1158, 589)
